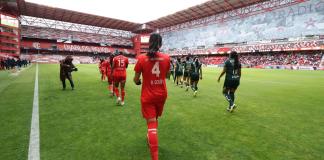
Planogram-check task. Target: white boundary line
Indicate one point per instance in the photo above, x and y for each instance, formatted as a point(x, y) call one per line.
point(33, 151)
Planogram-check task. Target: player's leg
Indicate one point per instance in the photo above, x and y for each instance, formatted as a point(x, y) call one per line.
point(122, 88)
point(173, 76)
point(152, 137)
point(151, 112)
point(69, 77)
point(116, 90)
point(102, 74)
point(181, 80)
point(185, 77)
point(63, 83)
point(110, 85)
point(227, 96)
point(188, 81)
point(232, 94)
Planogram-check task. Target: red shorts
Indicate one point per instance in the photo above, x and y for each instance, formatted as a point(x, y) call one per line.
point(118, 79)
point(152, 110)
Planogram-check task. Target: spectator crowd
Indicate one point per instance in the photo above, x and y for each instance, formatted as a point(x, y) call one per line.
point(11, 63)
point(269, 59)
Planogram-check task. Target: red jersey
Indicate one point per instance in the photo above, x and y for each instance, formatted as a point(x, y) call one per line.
point(154, 71)
point(106, 66)
point(120, 64)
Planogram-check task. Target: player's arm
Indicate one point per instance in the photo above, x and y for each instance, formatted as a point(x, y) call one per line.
point(137, 79)
point(222, 74)
point(138, 71)
point(168, 74)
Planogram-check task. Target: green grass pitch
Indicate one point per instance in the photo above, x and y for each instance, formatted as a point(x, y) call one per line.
point(280, 116)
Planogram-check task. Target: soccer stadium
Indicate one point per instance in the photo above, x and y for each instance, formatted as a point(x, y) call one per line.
point(162, 79)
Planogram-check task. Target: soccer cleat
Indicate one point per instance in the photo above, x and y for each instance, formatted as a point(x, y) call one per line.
point(234, 106)
point(231, 109)
point(195, 93)
point(122, 103)
point(187, 88)
point(118, 101)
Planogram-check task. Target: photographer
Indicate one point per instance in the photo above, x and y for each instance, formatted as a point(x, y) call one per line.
point(66, 67)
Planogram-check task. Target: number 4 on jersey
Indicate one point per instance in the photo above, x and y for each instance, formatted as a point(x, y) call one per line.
point(156, 69)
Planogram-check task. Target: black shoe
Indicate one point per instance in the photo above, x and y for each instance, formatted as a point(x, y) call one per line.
point(231, 109)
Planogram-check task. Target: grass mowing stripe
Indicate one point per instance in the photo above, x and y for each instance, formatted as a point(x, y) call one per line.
point(15, 111)
point(273, 121)
point(33, 152)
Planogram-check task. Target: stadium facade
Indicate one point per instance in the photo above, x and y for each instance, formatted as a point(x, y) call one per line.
point(210, 30)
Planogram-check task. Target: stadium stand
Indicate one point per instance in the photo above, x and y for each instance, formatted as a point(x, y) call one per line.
point(293, 19)
point(308, 59)
point(77, 59)
point(57, 34)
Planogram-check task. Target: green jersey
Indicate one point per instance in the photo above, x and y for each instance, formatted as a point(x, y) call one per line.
point(195, 67)
point(179, 67)
point(187, 66)
point(231, 73)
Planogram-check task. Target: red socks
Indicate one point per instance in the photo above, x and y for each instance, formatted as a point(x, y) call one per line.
point(153, 139)
point(116, 92)
point(123, 94)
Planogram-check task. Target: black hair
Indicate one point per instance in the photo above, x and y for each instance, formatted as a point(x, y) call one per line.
point(234, 55)
point(155, 43)
point(187, 58)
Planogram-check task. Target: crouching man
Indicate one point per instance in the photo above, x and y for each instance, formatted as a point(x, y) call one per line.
point(66, 69)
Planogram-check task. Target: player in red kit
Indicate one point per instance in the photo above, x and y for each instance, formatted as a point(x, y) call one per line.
point(154, 68)
point(102, 69)
point(120, 63)
point(108, 71)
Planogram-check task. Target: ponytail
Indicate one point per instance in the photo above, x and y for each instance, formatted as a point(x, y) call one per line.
point(155, 43)
point(234, 56)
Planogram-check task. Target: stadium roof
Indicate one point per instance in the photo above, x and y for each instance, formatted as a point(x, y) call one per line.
point(208, 8)
point(200, 11)
point(53, 13)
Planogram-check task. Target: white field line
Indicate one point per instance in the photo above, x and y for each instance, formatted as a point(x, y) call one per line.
point(33, 151)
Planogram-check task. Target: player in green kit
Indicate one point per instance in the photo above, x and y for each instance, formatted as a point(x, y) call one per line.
point(178, 72)
point(172, 71)
point(232, 68)
point(186, 73)
point(195, 75)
